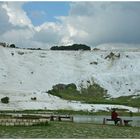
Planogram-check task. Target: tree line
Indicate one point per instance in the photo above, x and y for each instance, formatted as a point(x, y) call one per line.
point(71, 47)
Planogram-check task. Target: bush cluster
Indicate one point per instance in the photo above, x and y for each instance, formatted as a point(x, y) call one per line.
point(5, 100)
point(71, 47)
point(12, 46)
point(90, 94)
point(64, 86)
point(33, 48)
point(20, 53)
point(4, 44)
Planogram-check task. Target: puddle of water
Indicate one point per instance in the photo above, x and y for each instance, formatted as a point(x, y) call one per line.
point(99, 119)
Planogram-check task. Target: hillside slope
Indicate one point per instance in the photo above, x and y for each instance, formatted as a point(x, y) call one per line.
point(36, 71)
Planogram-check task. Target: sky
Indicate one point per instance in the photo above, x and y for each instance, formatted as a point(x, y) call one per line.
point(40, 12)
point(45, 24)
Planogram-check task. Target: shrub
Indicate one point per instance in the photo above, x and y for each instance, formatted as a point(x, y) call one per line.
point(5, 100)
point(96, 49)
point(71, 86)
point(20, 53)
point(112, 56)
point(33, 98)
point(12, 53)
point(12, 46)
point(94, 62)
point(59, 87)
point(95, 90)
point(33, 48)
point(3, 44)
point(54, 92)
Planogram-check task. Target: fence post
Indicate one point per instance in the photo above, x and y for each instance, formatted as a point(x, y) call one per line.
point(51, 118)
point(104, 121)
point(71, 118)
point(58, 118)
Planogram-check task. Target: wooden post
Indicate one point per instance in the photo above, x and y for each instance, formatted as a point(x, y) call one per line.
point(121, 122)
point(71, 118)
point(58, 118)
point(51, 118)
point(104, 121)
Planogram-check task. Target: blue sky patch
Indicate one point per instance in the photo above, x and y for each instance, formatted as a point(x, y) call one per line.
point(40, 12)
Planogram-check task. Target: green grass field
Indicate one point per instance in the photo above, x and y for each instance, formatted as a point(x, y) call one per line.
point(70, 130)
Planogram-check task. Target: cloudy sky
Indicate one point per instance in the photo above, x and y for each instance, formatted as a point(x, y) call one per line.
point(44, 24)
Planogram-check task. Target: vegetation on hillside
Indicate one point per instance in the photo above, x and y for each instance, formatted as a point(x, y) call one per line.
point(71, 47)
point(4, 44)
point(93, 93)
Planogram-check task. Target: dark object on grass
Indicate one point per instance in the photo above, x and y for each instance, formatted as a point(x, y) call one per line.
point(126, 122)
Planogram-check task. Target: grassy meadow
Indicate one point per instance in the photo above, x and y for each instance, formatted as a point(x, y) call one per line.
point(70, 130)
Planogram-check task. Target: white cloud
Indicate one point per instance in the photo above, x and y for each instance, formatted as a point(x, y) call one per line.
point(49, 33)
point(4, 20)
point(17, 16)
point(17, 36)
point(105, 22)
point(91, 23)
point(22, 32)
